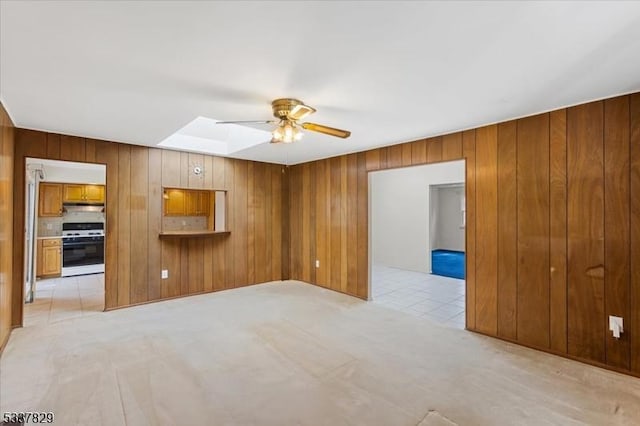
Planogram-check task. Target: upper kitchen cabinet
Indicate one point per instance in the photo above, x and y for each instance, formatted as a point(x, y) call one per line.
point(197, 203)
point(80, 193)
point(186, 202)
point(50, 200)
point(174, 202)
point(94, 194)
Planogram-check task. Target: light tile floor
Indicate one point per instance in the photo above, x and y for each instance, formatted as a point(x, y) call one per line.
point(439, 299)
point(58, 299)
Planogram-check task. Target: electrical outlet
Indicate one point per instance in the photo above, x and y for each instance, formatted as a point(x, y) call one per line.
point(165, 274)
point(49, 226)
point(317, 263)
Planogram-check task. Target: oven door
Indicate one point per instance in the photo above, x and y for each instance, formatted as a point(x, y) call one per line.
point(82, 251)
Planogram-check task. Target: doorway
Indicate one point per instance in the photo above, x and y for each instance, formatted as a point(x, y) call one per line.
point(64, 240)
point(408, 223)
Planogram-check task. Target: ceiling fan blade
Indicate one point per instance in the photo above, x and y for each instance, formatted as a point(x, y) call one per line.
point(246, 122)
point(300, 111)
point(326, 130)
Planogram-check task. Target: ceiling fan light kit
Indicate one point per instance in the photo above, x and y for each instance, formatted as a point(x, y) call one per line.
point(288, 130)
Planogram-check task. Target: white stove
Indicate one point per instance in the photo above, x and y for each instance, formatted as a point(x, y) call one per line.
point(82, 248)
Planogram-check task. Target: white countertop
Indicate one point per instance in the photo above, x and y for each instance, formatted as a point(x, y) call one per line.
point(50, 238)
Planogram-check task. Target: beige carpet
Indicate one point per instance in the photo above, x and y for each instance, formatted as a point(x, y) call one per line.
point(291, 353)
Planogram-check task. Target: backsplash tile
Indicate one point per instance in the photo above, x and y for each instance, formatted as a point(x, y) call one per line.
point(52, 226)
point(184, 223)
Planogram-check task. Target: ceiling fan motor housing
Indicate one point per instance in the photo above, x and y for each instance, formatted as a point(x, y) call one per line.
point(283, 107)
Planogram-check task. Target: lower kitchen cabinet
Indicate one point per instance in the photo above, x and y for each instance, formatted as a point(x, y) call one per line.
point(49, 257)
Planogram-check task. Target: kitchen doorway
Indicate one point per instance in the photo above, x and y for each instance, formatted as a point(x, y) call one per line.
point(409, 244)
point(64, 240)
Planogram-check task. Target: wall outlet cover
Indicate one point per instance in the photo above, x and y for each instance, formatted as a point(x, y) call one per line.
point(165, 274)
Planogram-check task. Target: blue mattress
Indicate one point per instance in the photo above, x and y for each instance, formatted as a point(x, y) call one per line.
point(447, 263)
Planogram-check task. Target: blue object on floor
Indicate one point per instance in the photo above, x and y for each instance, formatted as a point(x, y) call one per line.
point(447, 263)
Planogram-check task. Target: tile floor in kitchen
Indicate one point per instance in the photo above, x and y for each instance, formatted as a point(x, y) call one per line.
point(440, 299)
point(58, 299)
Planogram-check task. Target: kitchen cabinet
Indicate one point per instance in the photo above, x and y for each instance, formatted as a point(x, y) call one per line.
point(174, 202)
point(49, 257)
point(50, 199)
point(80, 193)
point(94, 194)
point(197, 203)
point(186, 202)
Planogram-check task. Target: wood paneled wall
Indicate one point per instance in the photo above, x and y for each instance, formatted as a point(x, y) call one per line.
point(135, 255)
point(553, 226)
point(6, 222)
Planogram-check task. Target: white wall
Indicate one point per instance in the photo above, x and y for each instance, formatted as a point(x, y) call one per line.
point(399, 213)
point(449, 233)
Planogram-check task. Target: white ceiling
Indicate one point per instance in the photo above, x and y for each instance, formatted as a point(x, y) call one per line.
point(390, 72)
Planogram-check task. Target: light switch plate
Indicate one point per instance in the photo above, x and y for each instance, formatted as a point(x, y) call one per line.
point(165, 274)
point(317, 263)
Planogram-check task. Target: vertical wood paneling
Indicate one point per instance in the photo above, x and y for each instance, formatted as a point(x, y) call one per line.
point(195, 281)
point(373, 159)
point(469, 152)
point(419, 152)
point(343, 223)
point(184, 267)
point(7, 159)
point(208, 264)
point(295, 229)
point(321, 250)
point(276, 214)
point(108, 153)
point(351, 227)
point(383, 158)
point(486, 229)
point(585, 228)
point(363, 228)
point(616, 225)
point(434, 149)
point(285, 214)
point(184, 169)
point(229, 247)
point(170, 169)
point(241, 223)
point(533, 230)
point(507, 230)
point(154, 218)
point(53, 146)
point(265, 228)
point(72, 148)
point(406, 154)
point(250, 243)
point(259, 208)
point(394, 156)
point(124, 224)
point(306, 222)
point(452, 147)
point(558, 230)
point(335, 220)
point(634, 142)
point(90, 150)
point(139, 217)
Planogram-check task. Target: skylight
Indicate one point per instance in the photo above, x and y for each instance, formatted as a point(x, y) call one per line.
point(204, 135)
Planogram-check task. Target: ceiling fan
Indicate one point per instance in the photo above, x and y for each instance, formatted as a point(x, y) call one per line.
point(289, 112)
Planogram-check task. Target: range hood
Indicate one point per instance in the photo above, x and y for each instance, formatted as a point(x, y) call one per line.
point(82, 208)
